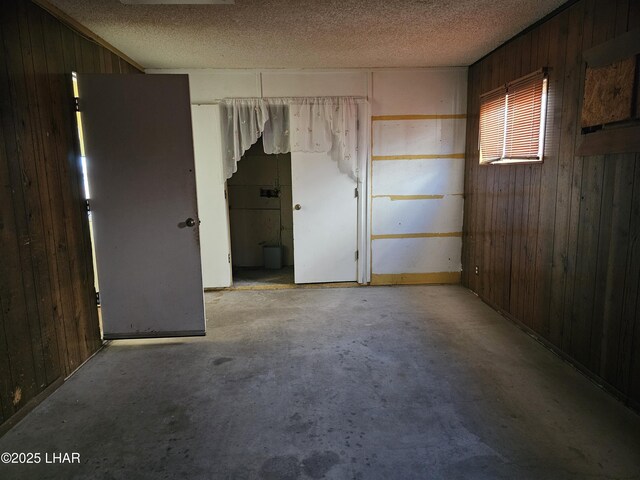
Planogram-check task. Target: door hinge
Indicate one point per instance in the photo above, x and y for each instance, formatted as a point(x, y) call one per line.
point(229, 257)
point(98, 298)
point(225, 194)
point(355, 193)
point(357, 255)
point(76, 104)
point(87, 205)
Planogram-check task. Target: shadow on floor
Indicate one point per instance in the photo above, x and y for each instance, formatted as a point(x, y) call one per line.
point(249, 276)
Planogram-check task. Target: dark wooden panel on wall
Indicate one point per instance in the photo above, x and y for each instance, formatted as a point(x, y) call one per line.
point(48, 313)
point(557, 244)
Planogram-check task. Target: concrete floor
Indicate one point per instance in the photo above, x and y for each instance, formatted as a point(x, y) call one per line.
point(358, 383)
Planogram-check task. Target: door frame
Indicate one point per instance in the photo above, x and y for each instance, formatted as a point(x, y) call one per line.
point(364, 190)
point(363, 182)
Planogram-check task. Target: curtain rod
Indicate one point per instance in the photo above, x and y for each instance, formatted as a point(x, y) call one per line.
point(218, 101)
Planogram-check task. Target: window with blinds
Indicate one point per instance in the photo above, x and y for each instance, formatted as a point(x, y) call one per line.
point(512, 121)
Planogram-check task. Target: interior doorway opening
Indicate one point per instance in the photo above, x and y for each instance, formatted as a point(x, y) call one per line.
point(261, 219)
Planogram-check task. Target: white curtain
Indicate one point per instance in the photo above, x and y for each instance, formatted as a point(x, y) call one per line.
point(242, 122)
point(306, 124)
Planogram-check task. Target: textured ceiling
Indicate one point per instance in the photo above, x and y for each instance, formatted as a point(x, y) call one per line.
point(308, 33)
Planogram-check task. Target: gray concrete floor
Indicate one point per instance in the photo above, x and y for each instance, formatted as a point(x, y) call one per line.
point(358, 383)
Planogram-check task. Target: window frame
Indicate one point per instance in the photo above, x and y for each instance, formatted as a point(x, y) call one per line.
point(503, 92)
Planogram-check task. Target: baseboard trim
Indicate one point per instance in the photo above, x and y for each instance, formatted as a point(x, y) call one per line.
point(415, 278)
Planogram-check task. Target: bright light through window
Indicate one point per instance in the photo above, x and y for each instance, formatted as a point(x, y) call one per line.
point(83, 157)
point(512, 121)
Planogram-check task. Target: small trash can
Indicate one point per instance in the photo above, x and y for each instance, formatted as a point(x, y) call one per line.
point(272, 257)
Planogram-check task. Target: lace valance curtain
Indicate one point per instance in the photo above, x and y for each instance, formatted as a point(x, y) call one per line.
point(308, 124)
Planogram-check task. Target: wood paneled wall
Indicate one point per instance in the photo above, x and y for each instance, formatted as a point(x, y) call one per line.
point(557, 244)
point(48, 316)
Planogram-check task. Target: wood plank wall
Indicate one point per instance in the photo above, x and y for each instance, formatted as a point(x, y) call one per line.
point(48, 315)
point(558, 244)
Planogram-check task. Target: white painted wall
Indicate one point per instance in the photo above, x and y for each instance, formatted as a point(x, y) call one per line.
point(419, 91)
point(209, 86)
point(205, 88)
point(396, 216)
point(432, 174)
point(212, 206)
point(418, 135)
point(314, 83)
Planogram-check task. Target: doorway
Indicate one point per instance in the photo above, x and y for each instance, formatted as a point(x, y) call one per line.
point(261, 219)
point(328, 203)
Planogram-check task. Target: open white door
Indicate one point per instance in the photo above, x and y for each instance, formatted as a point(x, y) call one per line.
point(325, 226)
point(139, 150)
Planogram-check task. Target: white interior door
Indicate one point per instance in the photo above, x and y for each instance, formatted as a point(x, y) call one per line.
point(325, 227)
point(139, 150)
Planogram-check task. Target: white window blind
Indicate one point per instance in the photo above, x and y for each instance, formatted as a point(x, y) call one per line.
point(512, 121)
point(492, 126)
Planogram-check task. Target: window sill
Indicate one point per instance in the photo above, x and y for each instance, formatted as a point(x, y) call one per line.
point(513, 162)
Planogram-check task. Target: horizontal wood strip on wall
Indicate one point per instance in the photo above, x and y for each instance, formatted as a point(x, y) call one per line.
point(611, 140)
point(415, 278)
point(423, 156)
point(415, 235)
point(453, 116)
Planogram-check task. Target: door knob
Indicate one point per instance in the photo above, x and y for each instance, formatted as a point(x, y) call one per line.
point(190, 222)
point(297, 207)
